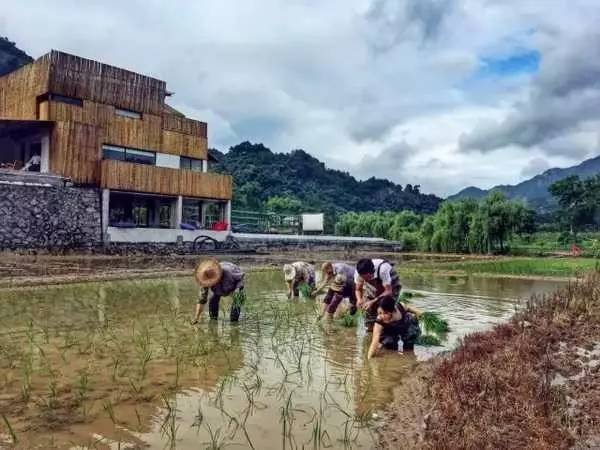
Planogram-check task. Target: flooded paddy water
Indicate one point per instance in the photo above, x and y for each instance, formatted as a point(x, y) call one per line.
point(118, 365)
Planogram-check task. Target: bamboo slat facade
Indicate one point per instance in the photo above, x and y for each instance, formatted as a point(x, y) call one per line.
point(125, 176)
point(90, 121)
point(19, 91)
point(73, 76)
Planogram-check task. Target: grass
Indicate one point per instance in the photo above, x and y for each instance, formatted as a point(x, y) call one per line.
point(550, 267)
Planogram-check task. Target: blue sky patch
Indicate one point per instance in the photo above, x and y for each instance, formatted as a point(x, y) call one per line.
point(523, 63)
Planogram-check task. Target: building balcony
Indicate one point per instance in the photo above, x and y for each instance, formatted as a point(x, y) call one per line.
point(126, 176)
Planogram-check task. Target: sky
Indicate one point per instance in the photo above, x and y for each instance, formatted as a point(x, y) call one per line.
point(440, 93)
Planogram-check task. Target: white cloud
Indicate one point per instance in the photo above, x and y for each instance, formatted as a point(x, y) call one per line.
point(349, 80)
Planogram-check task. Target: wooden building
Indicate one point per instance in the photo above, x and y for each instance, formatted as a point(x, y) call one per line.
point(107, 127)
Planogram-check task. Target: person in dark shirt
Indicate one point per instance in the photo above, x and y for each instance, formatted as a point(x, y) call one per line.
point(221, 279)
point(395, 321)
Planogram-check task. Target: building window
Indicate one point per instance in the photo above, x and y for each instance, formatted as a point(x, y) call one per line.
point(112, 152)
point(128, 113)
point(190, 164)
point(60, 98)
point(128, 154)
point(192, 213)
point(140, 156)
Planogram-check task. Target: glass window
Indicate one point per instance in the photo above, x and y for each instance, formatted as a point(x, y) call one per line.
point(192, 212)
point(113, 152)
point(64, 99)
point(140, 156)
point(128, 113)
point(190, 164)
point(164, 215)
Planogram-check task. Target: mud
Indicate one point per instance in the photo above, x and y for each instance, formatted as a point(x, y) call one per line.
point(117, 364)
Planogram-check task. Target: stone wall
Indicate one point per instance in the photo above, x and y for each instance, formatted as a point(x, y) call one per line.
point(49, 217)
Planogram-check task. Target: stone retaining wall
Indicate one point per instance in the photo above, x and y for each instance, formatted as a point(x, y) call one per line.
point(49, 217)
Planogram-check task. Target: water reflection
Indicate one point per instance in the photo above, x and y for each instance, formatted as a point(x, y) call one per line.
point(277, 373)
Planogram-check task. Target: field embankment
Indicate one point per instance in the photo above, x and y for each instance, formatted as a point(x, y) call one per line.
point(510, 266)
point(530, 383)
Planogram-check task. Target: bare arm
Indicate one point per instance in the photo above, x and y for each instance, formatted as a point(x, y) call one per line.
point(321, 286)
point(375, 344)
point(411, 309)
point(289, 288)
point(358, 290)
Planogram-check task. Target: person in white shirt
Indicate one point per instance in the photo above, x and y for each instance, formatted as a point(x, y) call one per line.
point(374, 279)
point(33, 165)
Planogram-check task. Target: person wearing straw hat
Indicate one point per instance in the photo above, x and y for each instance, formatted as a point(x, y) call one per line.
point(339, 277)
point(222, 279)
point(297, 273)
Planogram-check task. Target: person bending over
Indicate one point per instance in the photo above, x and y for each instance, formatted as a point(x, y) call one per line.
point(395, 321)
point(374, 279)
point(221, 279)
point(339, 278)
point(297, 273)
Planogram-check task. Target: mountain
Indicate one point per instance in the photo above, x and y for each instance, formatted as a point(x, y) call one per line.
point(260, 174)
point(535, 190)
point(11, 57)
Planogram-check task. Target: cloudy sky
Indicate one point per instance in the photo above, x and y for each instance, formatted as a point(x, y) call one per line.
point(442, 93)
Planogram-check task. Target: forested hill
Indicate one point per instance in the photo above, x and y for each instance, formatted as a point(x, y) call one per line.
point(259, 174)
point(535, 190)
point(11, 57)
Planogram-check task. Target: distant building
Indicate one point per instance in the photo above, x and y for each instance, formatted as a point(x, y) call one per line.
point(106, 127)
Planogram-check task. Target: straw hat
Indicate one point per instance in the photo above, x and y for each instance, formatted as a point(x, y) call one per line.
point(289, 272)
point(208, 272)
point(327, 268)
point(338, 283)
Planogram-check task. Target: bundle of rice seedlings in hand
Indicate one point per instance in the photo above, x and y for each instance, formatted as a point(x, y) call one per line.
point(405, 297)
point(428, 340)
point(433, 322)
point(348, 320)
point(305, 290)
point(239, 298)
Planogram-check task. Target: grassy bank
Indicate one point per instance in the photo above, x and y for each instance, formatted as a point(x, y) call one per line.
point(537, 267)
point(529, 383)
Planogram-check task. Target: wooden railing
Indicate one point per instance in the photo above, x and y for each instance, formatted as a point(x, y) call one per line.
point(127, 176)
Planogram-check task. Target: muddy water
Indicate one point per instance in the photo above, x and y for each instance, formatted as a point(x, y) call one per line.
point(117, 365)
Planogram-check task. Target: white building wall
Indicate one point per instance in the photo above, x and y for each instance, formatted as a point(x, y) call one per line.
point(164, 235)
point(170, 161)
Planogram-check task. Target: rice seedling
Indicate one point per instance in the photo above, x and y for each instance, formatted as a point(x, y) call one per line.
point(198, 418)
point(169, 426)
point(428, 340)
point(348, 320)
point(287, 419)
point(52, 399)
point(139, 420)
point(217, 442)
point(305, 290)
point(239, 299)
point(350, 434)
point(433, 322)
point(108, 407)
point(10, 430)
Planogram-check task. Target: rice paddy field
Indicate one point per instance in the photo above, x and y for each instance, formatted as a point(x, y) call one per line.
point(514, 266)
point(116, 365)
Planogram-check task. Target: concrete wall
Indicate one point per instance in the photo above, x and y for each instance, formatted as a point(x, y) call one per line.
point(48, 217)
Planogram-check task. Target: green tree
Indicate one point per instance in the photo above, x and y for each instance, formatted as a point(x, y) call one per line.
point(284, 204)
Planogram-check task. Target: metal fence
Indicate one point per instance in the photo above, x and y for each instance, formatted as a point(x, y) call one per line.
point(265, 222)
